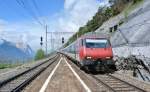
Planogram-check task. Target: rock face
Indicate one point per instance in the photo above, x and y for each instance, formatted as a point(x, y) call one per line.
point(12, 53)
point(132, 37)
point(135, 31)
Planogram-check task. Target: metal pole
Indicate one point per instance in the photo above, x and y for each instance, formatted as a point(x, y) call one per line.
point(76, 49)
point(127, 41)
point(51, 43)
point(46, 39)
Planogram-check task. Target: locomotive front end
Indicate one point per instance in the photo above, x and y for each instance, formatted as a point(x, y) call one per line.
point(97, 53)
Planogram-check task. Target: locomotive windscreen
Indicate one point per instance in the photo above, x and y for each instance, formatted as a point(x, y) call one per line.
point(96, 43)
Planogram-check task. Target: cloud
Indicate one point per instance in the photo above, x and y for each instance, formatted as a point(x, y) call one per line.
point(104, 2)
point(75, 14)
point(68, 4)
point(2, 24)
point(26, 32)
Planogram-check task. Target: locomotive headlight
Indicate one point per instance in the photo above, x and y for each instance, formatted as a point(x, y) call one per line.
point(89, 57)
point(108, 57)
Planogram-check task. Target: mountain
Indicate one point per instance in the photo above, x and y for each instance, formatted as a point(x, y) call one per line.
point(15, 53)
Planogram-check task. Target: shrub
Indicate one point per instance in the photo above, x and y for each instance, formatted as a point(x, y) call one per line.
point(136, 1)
point(39, 54)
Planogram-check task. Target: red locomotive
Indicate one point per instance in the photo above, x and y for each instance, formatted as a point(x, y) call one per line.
point(93, 52)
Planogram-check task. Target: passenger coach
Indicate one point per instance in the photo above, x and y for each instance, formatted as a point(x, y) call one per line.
point(92, 51)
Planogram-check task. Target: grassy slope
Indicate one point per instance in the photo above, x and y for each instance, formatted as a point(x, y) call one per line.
point(3, 66)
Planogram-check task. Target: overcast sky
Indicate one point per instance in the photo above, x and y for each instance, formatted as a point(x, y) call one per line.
point(18, 24)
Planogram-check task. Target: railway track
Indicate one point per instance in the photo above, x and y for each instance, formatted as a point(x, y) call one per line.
point(112, 83)
point(115, 84)
point(18, 82)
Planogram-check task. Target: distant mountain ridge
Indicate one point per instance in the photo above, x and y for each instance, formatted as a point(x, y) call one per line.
point(14, 53)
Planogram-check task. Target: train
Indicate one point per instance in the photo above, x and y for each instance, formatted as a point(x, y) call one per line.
point(92, 51)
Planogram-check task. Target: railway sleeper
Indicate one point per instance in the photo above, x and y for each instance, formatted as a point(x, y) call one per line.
point(120, 86)
point(126, 90)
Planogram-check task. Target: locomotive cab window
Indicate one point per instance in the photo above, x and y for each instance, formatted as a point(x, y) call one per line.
point(82, 42)
point(97, 43)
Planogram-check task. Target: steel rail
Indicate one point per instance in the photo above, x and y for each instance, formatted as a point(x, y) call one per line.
point(7, 81)
point(120, 81)
point(127, 83)
point(100, 81)
point(24, 84)
point(112, 77)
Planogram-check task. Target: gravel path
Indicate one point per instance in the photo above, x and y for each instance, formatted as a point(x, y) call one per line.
point(8, 73)
point(141, 84)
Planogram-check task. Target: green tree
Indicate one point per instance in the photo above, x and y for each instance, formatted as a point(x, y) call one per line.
point(39, 54)
point(136, 1)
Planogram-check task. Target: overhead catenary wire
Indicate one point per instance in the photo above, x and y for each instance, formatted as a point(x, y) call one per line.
point(133, 44)
point(4, 3)
point(31, 13)
point(138, 24)
point(38, 10)
point(36, 7)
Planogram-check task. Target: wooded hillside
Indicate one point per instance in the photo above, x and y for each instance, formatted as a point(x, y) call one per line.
point(103, 14)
